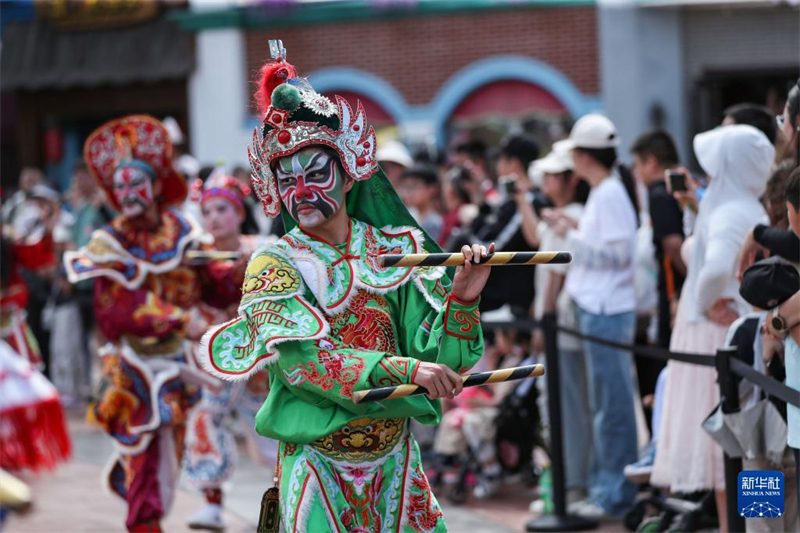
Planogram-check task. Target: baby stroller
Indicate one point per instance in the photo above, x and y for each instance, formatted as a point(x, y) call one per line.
point(693, 513)
point(517, 433)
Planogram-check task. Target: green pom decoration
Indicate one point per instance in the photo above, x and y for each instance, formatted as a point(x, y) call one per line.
point(286, 97)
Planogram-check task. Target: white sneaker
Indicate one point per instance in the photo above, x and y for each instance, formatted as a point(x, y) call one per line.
point(573, 507)
point(486, 488)
point(537, 507)
point(590, 511)
point(208, 518)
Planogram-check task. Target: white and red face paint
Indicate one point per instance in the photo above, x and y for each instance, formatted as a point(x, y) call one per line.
point(311, 185)
point(133, 190)
point(221, 217)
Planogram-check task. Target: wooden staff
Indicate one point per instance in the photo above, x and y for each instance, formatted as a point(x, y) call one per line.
point(456, 259)
point(470, 380)
point(203, 256)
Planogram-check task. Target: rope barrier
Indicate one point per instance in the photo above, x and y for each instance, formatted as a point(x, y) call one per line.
point(645, 351)
point(740, 368)
point(770, 386)
point(726, 364)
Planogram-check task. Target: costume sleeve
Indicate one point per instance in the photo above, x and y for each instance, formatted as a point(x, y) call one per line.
point(140, 313)
point(35, 256)
point(438, 327)
point(324, 369)
point(220, 283)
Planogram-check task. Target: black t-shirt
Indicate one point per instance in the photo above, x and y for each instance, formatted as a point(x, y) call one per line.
point(512, 285)
point(667, 219)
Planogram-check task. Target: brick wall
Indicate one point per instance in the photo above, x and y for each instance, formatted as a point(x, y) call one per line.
point(418, 54)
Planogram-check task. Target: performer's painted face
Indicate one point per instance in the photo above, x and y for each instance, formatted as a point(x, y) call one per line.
point(221, 218)
point(312, 185)
point(133, 190)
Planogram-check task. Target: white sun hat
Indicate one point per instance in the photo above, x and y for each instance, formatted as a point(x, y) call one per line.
point(593, 131)
point(557, 161)
point(394, 152)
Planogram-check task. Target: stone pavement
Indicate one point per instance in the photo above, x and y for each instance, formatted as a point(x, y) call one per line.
point(73, 500)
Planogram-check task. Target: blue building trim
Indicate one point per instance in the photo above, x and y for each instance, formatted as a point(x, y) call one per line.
point(455, 90)
point(500, 68)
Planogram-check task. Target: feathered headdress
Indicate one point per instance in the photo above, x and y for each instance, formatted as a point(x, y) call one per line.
point(296, 116)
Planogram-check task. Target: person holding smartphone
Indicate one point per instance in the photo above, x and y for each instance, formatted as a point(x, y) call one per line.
point(738, 160)
point(601, 282)
point(655, 156)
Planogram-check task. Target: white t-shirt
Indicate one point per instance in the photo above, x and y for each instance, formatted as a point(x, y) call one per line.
point(601, 277)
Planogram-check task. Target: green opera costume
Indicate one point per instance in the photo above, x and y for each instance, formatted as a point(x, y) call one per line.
point(326, 320)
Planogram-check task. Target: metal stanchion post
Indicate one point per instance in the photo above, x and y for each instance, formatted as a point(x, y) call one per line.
point(729, 396)
point(560, 520)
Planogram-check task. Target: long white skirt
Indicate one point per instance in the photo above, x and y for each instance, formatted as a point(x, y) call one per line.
point(687, 459)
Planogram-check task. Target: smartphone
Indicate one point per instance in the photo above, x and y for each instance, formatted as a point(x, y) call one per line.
point(540, 202)
point(677, 181)
point(509, 185)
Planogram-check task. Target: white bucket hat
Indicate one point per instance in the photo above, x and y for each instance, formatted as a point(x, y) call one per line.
point(593, 131)
point(394, 152)
point(557, 161)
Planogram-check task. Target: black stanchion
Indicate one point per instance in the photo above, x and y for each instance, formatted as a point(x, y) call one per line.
point(729, 397)
point(560, 520)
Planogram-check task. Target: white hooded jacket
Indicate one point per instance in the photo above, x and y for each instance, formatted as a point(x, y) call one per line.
point(738, 160)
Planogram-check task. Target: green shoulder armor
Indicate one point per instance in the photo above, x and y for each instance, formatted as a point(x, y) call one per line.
point(272, 310)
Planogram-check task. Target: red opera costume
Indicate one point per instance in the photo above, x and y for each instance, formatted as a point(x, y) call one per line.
point(33, 428)
point(143, 294)
point(211, 451)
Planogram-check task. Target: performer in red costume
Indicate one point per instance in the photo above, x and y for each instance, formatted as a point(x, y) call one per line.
point(143, 293)
point(211, 452)
point(32, 423)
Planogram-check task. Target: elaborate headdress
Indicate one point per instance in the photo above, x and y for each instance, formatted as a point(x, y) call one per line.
point(136, 140)
point(296, 116)
point(220, 185)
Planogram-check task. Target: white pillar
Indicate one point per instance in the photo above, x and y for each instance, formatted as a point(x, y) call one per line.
point(641, 68)
point(219, 120)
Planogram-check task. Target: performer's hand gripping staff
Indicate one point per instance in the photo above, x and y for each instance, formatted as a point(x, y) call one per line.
point(471, 275)
point(469, 380)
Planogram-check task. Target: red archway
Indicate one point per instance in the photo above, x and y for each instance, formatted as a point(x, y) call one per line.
point(510, 98)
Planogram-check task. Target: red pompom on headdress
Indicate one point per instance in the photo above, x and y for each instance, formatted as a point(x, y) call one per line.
point(271, 75)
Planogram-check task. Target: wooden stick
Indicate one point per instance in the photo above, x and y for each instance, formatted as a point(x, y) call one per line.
point(456, 259)
point(470, 380)
point(200, 256)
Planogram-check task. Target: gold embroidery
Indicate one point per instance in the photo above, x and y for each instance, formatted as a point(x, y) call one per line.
point(269, 275)
point(364, 439)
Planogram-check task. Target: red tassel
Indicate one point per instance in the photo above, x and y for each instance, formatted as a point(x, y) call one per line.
point(34, 436)
point(272, 74)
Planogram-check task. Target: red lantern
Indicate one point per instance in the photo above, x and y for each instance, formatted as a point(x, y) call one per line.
point(53, 145)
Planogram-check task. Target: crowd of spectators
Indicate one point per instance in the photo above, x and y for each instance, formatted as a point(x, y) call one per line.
point(659, 253)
